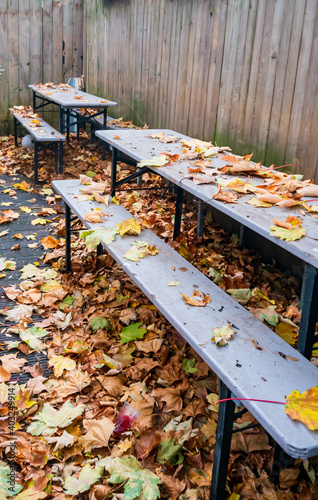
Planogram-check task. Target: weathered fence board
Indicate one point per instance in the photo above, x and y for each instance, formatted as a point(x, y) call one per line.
point(40, 41)
point(241, 72)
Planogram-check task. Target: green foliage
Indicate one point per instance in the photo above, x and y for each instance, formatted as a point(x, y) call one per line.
point(188, 366)
point(99, 322)
point(132, 332)
point(169, 452)
point(49, 419)
point(87, 477)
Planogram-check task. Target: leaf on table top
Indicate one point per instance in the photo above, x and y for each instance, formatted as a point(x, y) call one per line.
point(225, 196)
point(240, 186)
point(308, 191)
point(98, 435)
point(132, 332)
point(48, 420)
point(304, 407)
point(61, 363)
point(138, 480)
point(270, 198)
point(289, 223)
point(155, 161)
point(223, 334)
point(197, 299)
point(173, 283)
point(94, 237)
point(288, 202)
point(288, 234)
point(310, 208)
point(139, 250)
point(130, 226)
point(49, 242)
point(95, 216)
point(256, 202)
point(87, 477)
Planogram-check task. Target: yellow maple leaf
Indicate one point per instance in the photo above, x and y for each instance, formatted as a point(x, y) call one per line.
point(24, 186)
point(35, 222)
point(61, 363)
point(223, 334)
point(25, 209)
point(304, 407)
point(288, 234)
point(129, 226)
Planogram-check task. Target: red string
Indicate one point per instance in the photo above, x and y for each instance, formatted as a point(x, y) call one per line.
point(250, 399)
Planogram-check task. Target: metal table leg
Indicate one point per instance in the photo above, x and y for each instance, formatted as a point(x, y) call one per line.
point(15, 121)
point(34, 101)
point(139, 179)
point(61, 120)
point(222, 445)
point(178, 213)
point(114, 171)
point(56, 157)
point(36, 161)
point(68, 124)
point(309, 311)
point(67, 238)
point(61, 156)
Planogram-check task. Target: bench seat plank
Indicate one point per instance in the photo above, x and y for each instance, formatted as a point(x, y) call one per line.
point(41, 134)
point(247, 371)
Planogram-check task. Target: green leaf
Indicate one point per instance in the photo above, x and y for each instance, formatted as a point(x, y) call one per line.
point(288, 234)
point(87, 477)
point(31, 337)
point(132, 332)
point(7, 489)
point(90, 173)
point(188, 366)
point(93, 238)
point(169, 452)
point(241, 295)
point(68, 301)
point(138, 480)
point(49, 419)
point(99, 322)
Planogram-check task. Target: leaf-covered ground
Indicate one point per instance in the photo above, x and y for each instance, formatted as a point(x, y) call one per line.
point(106, 344)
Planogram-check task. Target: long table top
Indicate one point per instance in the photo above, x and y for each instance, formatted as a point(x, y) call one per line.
point(138, 145)
point(69, 97)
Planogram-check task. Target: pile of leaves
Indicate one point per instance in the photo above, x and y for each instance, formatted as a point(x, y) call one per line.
point(107, 345)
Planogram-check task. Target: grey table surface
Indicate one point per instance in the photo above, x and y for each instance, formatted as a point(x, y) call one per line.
point(68, 97)
point(138, 145)
point(247, 371)
point(44, 133)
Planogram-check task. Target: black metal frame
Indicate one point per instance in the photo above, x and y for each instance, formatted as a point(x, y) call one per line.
point(55, 146)
point(80, 120)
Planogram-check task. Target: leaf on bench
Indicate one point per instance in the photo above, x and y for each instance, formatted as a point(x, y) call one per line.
point(197, 299)
point(93, 238)
point(128, 226)
point(223, 334)
point(304, 407)
point(95, 216)
point(139, 250)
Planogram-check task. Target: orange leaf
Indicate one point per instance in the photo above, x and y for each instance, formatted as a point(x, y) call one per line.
point(49, 242)
point(304, 407)
point(225, 196)
point(202, 301)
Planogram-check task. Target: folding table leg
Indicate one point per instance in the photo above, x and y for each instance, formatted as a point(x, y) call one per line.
point(15, 131)
point(61, 120)
point(34, 101)
point(222, 445)
point(100, 249)
point(114, 171)
point(309, 311)
point(68, 125)
point(67, 238)
point(36, 167)
point(242, 236)
point(139, 179)
point(178, 213)
point(56, 157)
point(201, 210)
point(61, 156)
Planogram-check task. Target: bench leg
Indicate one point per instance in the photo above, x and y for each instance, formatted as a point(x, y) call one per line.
point(114, 171)
point(222, 445)
point(56, 157)
point(15, 131)
point(36, 166)
point(67, 238)
point(34, 100)
point(100, 249)
point(281, 461)
point(68, 125)
point(309, 311)
point(201, 210)
point(61, 156)
point(139, 179)
point(178, 213)
point(242, 236)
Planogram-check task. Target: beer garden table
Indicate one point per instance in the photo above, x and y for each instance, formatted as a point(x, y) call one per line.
point(138, 145)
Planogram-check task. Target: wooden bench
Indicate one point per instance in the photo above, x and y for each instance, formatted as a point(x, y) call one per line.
point(264, 373)
point(45, 137)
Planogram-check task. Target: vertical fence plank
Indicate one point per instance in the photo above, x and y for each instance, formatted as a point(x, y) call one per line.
point(57, 41)
point(24, 51)
point(77, 55)
point(35, 42)
point(67, 31)
point(4, 75)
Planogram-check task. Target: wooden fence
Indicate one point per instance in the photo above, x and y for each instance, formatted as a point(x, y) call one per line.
point(40, 41)
point(240, 72)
